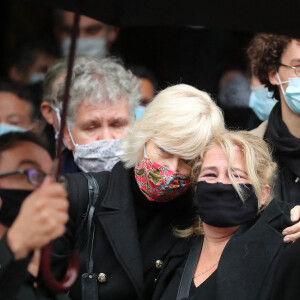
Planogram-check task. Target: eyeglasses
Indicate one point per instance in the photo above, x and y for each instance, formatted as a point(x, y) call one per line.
point(34, 176)
point(296, 69)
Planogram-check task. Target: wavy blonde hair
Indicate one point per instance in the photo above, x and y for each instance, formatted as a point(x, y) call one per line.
point(258, 161)
point(181, 119)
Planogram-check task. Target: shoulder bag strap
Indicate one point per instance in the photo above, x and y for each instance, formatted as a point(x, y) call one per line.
point(89, 279)
point(189, 270)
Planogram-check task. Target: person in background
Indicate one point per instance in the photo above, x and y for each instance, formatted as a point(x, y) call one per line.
point(17, 110)
point(33, 212)
point(238, 235)
point(275, 61)
point(50, 110)
point(260, 101)
point(29, 64)
point(148, 87)
point(95, 37)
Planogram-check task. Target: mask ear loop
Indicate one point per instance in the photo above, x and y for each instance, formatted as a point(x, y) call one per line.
point(145, 154)
point(281, 83)
point(56, 109)
point(71, 137)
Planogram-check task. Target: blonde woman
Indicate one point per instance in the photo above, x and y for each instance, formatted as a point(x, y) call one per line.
point(239, 233)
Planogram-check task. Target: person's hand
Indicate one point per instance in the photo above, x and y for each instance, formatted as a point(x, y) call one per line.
point(292, 233)
point(41, 219)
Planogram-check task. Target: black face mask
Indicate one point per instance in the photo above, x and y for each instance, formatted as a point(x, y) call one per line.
point(11, 203)
point(220, 205)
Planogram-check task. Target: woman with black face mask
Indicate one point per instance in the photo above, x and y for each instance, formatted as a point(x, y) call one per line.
point(239, 231)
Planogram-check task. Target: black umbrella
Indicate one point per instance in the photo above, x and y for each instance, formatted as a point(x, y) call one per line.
point(246, 15)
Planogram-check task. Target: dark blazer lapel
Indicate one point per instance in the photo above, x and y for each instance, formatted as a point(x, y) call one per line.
point(245, 261)
point(117, 216)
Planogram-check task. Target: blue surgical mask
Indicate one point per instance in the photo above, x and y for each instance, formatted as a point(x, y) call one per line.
point(6, 128)
point(292, 93)
point(96, 47)
point(37, 78)
point(139, 111)
point(261, 102)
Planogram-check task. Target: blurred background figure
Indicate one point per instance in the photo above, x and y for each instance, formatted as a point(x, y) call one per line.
point(275, 61)
point(30, 61)
point(148, 87)
point(261, 101)
point(17, 110)
point(50, 109)
point(95, 37)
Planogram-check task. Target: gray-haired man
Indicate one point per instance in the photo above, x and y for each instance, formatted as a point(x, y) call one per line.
point(103, 98)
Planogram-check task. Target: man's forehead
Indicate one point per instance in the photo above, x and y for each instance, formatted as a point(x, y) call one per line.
point(117, 107)
point(68, 18)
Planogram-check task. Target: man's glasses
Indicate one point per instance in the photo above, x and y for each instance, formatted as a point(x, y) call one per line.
point(34, 176)
point(296, 69)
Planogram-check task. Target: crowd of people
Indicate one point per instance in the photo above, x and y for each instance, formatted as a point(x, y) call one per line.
point(159, 198)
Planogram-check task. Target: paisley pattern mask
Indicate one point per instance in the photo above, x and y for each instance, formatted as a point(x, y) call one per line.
point(158, 183)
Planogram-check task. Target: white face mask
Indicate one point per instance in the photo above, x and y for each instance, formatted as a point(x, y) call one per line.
point(97, 156)
point(95, 47)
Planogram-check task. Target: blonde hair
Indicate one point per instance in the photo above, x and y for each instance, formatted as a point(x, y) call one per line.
point(259, 166)
point(181, 119)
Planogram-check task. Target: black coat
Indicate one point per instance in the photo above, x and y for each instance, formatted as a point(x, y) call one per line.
point(13, 273)
point(131, 233)
point(15, 281)
point(248, 263)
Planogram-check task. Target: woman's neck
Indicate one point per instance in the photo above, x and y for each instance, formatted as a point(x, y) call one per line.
point(215, 238)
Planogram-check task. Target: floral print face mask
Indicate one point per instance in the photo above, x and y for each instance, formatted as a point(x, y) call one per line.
point(158, 183)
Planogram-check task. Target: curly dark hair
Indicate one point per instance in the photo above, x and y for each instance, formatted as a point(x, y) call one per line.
point(264, 52)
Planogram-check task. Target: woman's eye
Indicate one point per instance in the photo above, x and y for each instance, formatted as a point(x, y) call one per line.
point(187, 161)
point(208, 175)
point(238, 176)
point(162, 149)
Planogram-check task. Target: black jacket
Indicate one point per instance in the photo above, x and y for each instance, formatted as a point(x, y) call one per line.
point(248, 263)
point(15, 281)
point(13, 273)
point(132, 235)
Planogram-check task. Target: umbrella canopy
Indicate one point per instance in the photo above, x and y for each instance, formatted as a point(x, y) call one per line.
point(247, 15)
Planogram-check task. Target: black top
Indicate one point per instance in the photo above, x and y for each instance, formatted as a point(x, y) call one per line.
point(206, 289)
